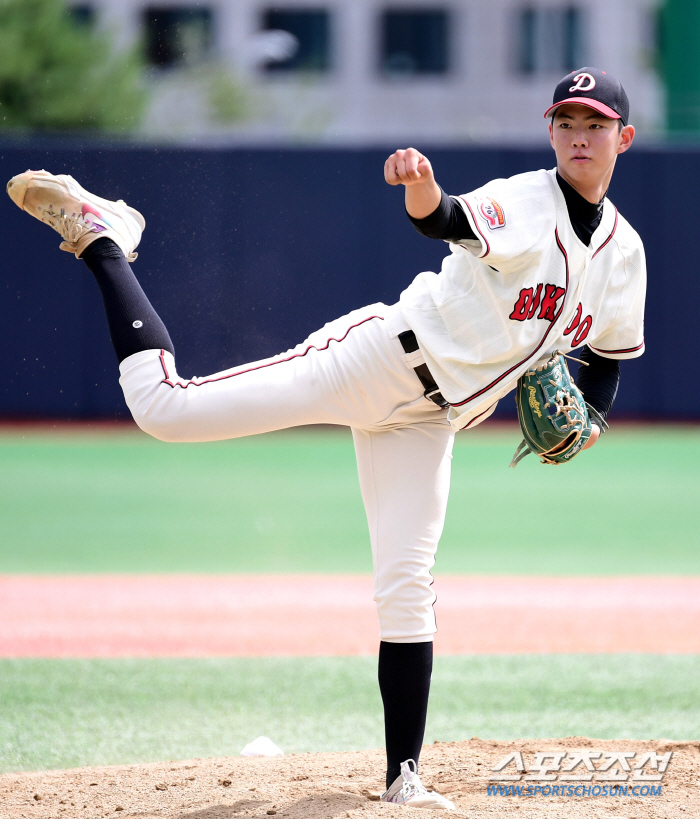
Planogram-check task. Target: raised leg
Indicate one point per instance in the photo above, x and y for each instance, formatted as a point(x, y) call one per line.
point(133, 323)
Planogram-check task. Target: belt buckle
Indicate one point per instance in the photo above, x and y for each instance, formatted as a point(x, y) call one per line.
point(432, 395)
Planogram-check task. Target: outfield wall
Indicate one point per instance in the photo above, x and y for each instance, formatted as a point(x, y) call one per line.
point(247, 251)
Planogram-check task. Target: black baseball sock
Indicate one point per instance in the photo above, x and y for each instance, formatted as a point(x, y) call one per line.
point(133, 323)
point(404, 682)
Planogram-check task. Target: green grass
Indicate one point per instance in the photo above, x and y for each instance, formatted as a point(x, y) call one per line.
point(290, 502)
point(70, 713)
point(121, 502)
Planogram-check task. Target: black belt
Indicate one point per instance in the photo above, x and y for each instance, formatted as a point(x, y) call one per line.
point(432, 391)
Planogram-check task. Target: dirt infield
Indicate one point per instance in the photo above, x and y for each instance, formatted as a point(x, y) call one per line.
point(103, 616)
point(176, 616)
point(335, 786)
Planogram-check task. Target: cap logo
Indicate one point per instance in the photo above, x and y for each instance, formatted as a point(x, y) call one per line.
point(581, 80)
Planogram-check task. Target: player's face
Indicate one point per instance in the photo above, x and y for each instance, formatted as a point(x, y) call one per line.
point(587, 145)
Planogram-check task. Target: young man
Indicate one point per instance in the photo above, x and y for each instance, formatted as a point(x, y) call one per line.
point(539, 262)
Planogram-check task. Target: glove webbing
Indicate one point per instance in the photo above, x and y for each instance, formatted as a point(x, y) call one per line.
point(593, 415)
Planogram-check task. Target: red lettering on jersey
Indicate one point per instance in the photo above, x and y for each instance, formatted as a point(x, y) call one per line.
point(583, 327)
point(521, 308)
point(552, 294)
point(575, 320)
point(535, 301)
point(581, 333)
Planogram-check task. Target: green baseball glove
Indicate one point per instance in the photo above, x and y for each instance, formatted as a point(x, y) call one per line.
point(554, 418)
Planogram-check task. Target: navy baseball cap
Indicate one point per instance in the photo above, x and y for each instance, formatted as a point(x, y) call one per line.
point(594, 88)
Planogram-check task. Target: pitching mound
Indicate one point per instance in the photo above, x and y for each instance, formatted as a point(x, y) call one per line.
point(311, 786)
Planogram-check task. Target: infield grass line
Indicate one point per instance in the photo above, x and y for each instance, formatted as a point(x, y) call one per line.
point(74, 713)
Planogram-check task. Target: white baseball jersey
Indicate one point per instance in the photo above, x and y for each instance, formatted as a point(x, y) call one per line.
point(527, 287)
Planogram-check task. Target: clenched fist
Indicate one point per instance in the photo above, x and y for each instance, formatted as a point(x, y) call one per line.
point(410, 168)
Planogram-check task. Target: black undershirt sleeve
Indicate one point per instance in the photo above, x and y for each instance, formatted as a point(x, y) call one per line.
point(599, 381)
point(447, 222)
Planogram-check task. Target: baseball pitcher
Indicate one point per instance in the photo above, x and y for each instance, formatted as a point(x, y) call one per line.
point(539, 265)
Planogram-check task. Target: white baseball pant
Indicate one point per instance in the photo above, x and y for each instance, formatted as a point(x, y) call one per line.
point(352, 372)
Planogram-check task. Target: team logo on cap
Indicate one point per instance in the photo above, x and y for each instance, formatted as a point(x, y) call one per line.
point(584, 82)
point(492, 213)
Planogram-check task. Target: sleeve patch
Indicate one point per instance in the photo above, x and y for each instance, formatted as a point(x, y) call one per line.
point(492, 213)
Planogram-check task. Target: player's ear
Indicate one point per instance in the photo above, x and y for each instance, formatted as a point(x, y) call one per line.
point(551, 132)
point(626, 138)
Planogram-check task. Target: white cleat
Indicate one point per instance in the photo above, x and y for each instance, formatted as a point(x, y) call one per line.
point(79, 216)
point(407, 789)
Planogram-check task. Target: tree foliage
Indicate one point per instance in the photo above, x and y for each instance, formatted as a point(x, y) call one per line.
point(59, 75)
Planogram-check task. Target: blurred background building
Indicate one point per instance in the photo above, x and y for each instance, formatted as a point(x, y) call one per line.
point(252, 134)
point(375, 71)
